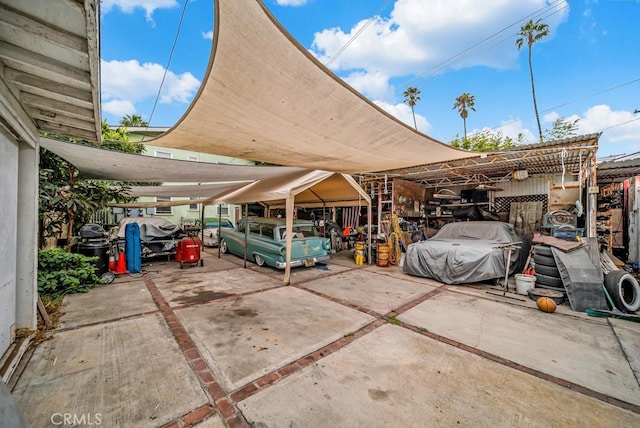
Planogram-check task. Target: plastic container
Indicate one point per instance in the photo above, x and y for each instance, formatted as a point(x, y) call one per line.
point(524, 283)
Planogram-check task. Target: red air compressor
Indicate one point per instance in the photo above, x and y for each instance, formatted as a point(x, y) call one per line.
point(188, 251)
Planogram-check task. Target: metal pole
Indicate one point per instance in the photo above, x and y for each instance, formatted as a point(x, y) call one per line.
point(219, 226)
point(246, 232)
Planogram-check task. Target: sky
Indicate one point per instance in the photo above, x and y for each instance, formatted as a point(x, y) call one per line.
point(587, 68)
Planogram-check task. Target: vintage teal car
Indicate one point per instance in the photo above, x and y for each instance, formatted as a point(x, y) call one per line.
point(266, 242)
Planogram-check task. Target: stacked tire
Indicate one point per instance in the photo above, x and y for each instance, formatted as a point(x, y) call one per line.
point(624, 290)
point(547, 273)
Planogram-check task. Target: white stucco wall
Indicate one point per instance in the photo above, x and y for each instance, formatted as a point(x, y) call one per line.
point(8, 234)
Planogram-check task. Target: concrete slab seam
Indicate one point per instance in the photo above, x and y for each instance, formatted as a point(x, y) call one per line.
point(524, 369)
point(269, 379)
point(93, 324)
point(626, 357)
point(339, 301)
point(212, 389)
point(405, 307)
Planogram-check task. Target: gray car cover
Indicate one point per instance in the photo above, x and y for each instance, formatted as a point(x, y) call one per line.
point(465, 252)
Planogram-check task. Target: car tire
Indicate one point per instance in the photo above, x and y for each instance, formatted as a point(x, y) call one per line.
point(224, 249)
point(550, 281)
point(624, 290)
point(547, 270)
point(544, 260)
point(259, 260)
point(542, 250)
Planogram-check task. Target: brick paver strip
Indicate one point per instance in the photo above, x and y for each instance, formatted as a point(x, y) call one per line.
point(226, 402)
point(218, 396)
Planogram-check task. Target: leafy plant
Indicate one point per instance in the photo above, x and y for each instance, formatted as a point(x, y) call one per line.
point(486, 141)
point(65, 198)
point(60, 273)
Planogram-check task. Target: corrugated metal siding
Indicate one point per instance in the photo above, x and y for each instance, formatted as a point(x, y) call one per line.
point(531, 186)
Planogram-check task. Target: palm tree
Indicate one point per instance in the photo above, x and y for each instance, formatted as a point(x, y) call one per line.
point(463, 102)
point(411, 97)
point(532, 32)
point(134, 120)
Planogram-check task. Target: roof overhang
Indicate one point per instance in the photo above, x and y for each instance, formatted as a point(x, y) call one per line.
point(266, 98)
point(49, 68)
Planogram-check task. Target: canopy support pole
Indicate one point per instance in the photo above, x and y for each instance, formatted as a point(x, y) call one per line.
point(246, 232)
point(369, 231)
point(219, 227)
point(289, 226)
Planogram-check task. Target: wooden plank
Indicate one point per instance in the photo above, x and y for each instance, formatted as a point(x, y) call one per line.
point(43, 313)
point(561, 244)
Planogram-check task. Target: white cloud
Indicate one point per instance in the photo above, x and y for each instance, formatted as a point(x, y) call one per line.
point(617, 126)
point(133, 82)
point(119, 107)
point(207, 35)
point(403, 112)
point(620, 129)
point(373, 85)
point(128, 6)
point(421, 39)
point(291, 2)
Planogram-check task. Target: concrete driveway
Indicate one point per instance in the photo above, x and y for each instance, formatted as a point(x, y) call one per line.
point(343, 345)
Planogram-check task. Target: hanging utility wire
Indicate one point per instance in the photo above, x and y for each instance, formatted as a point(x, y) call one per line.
point(355, 36)
point(541, 13)
point(166, 69)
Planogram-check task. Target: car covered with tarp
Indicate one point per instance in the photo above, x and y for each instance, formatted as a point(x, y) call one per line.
point(468, 252)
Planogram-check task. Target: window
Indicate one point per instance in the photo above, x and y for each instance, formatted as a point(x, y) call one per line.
point(164, 155)
point(194, 207)
point(163, 210)
point(223, 210)
point(193, 158)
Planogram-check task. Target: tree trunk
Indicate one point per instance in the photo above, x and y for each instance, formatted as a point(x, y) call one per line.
point(465, 127)
point(414, 118)
point(71, 218)
point(533, 92)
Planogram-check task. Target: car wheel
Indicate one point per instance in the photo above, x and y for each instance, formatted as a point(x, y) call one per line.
point(548, 270)
point(544, 260)
point(259, 260)
point(624, 290)
point(550, 281)
point(223, 247)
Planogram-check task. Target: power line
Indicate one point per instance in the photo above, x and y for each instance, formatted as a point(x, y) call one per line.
point(592, 95)
point(552, 8)
point(355, 36)
point(166, 70)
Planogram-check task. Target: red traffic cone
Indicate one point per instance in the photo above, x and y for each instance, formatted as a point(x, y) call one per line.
point(122, 264)
point(112, 263)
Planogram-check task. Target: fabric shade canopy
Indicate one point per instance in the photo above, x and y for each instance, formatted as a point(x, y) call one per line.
point(265, 98)
point(97, 163)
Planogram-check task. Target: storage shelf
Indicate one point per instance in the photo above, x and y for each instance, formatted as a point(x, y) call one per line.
point(465, 204)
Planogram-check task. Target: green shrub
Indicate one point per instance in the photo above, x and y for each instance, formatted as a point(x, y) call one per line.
point(60, 272)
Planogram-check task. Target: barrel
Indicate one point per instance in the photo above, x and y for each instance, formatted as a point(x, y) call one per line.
point(383, 255)
point(98, 249)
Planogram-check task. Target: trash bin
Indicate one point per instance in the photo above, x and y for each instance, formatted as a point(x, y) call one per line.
point(99, 249)
point(94, 244)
